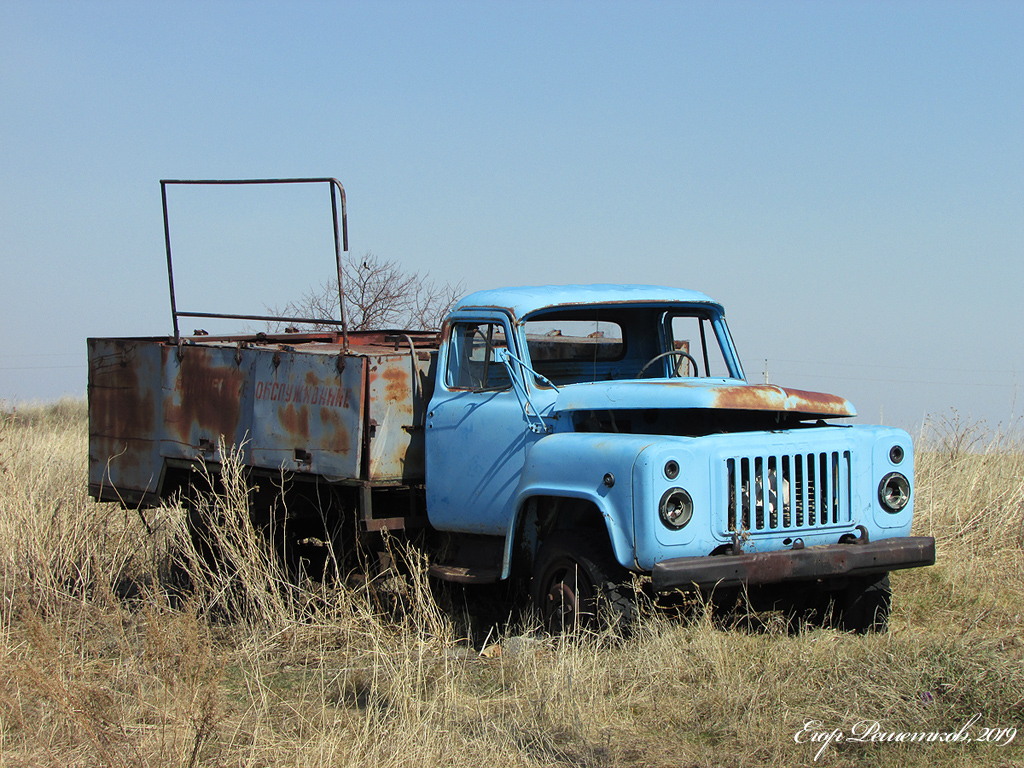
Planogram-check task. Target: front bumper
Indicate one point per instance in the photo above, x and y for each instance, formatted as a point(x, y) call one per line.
point(810, 563)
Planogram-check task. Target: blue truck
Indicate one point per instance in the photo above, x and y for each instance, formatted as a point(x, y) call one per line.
point(571, 437)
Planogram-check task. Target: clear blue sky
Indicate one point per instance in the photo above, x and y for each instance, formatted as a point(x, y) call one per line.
point(846, 177)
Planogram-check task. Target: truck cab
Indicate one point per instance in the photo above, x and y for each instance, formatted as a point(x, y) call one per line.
point(582, 434)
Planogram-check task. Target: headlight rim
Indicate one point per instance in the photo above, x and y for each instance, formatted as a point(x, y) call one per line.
point(663, 509)
point(904, 495)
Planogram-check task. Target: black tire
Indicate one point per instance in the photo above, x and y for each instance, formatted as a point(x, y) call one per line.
point(864, 605)
point(201, 525)
point(578, 584)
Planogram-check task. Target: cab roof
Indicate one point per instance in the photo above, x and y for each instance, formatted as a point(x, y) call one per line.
point(525, 300)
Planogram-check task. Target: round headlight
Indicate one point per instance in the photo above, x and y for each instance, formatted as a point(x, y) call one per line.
point(894, 492)
point(896, 454)
point(671, 469)
point(676, 508)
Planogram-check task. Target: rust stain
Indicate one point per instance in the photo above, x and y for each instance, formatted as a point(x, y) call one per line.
point(820, 402)
point(336, 436)
point(295, 421)
point(312, 380)
point(766, 397)
point(122, 416)
point(118, 406)
point(206, 395)
point(397, 389)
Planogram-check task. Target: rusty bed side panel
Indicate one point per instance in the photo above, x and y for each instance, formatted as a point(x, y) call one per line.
point(207, 396)
point(396, 410)
point(125, 419)
point(284, 407)
point(307, 416)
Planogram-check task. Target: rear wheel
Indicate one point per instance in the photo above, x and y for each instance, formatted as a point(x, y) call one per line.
point(577, 583)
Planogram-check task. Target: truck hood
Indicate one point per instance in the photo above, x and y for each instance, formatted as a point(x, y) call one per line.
point(703, 393)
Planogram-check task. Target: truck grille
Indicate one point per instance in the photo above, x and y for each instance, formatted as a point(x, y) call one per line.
point(799, 491)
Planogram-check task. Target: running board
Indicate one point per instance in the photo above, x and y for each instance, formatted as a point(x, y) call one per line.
point(461, 574)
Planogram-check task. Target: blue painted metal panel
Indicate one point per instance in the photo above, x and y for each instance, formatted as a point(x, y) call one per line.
point(816, 505)
point(308, 417)
point(525, 300)
point(476, 443)
point(882, 464)
point(573, 465)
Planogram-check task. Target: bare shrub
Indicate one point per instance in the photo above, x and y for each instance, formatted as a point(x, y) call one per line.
point(953, 434)
point(379, 294)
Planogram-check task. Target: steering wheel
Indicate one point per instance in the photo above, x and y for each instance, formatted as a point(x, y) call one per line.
point(680, 353)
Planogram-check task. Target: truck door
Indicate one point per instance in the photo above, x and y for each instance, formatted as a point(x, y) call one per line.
point(477, 434)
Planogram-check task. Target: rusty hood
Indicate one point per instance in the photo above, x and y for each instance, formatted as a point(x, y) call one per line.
point(727, 394)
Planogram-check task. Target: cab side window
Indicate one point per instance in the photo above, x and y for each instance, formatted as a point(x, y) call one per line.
point(472, 357)
point(696, 335)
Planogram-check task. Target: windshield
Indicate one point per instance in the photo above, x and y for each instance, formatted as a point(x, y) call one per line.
point(588, 344)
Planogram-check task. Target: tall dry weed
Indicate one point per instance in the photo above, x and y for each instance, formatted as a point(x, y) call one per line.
point(55, 541)
point(970, 497)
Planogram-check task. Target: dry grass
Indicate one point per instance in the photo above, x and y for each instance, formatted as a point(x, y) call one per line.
point(103, 662)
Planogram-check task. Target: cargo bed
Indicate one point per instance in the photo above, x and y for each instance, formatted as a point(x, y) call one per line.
point(294, 402)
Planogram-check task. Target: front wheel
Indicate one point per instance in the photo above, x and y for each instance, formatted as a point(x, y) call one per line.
point(577, 583)
point(864, 605)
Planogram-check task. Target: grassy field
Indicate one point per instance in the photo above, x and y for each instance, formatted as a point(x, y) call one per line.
point(105, 661)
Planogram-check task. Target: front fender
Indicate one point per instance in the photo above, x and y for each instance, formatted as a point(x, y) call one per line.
point(574, 465)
